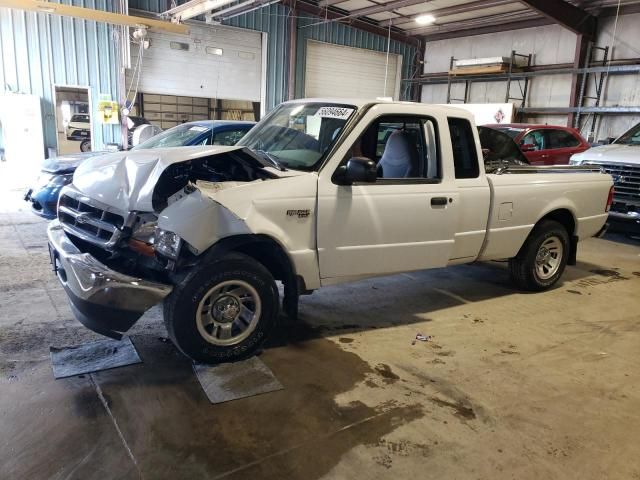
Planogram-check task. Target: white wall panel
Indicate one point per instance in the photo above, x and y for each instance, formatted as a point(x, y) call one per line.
point(620, 90)
point(549, 45)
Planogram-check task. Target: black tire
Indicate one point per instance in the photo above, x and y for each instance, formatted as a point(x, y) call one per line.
point(85, 146)
point(524, 271)
point(180, 308)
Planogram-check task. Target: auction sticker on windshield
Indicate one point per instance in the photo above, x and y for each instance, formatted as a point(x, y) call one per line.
point(334, 112)
point(197, 128)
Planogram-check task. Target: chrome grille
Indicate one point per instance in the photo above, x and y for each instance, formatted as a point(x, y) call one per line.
point(84, 218)
point(626, 180)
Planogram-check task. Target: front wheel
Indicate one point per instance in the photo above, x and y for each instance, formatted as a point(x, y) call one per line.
point(223, 310)
point(543, 257)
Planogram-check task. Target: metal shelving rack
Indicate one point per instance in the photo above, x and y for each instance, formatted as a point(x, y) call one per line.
point(598, 70)
point(509, 75)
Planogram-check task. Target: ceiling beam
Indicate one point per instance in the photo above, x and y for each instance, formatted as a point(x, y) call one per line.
point(393, 5)
point(193, 8)
point(499, 27)
point(328, 3)
point(453, 10)
point(565, 14)
point(613, 11)
point(94, 15)
point(332, 15)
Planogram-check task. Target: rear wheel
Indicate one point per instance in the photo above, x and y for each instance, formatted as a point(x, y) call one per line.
point(543, 257)
point(223, 310)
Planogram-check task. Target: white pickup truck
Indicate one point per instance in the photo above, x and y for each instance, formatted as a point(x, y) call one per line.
point(318, 193)
point(621, 159)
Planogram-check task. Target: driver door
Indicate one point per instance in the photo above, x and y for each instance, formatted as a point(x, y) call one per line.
point(394, 224)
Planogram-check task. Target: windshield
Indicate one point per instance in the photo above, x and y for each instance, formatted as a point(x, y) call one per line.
point(298, 135)
point(80, 118)
point(630, 137)
point(178, 136)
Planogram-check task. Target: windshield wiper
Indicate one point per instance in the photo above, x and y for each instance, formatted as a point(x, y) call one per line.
point(272, 158)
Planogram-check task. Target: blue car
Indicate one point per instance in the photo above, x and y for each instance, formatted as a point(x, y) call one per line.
point(58, 172)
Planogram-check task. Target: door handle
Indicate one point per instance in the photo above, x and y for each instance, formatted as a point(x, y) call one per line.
point(438, 201)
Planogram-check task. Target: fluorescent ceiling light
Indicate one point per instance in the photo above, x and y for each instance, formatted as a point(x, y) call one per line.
point(425, 19)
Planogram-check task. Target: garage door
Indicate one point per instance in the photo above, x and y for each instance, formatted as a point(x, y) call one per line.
point(212, 62)
point(337, 71)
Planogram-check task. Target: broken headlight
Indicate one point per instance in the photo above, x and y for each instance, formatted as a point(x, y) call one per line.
point(167, 243)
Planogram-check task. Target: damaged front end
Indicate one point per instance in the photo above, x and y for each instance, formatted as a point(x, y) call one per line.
point(130, 223)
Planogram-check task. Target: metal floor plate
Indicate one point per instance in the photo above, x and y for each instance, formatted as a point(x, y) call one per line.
point(232, 381)
point(92, 357)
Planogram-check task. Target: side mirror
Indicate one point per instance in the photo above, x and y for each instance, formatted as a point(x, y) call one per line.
point(527, 147)
point(358, 170)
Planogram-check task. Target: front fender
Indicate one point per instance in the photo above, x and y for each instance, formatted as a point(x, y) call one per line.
point(201, 221)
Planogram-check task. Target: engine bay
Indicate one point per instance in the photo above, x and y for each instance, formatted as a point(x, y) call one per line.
point(236, 166)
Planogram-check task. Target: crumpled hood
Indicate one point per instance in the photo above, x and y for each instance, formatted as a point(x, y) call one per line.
point(67, 163)
point(613, 153)
point(126, 180)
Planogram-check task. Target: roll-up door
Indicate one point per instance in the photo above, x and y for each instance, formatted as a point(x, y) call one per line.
point(211, 62)
point(337, 71)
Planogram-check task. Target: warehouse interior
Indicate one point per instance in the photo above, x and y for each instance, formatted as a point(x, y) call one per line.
point(392, 337)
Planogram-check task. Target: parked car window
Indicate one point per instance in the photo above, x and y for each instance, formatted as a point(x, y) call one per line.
point(403, 147)
point(499, 149)
point(535, 138)
point(630, 137)
point(228, 137)
point(561, 139)
point(174, 137)
point(465, 155)
point(80, 118)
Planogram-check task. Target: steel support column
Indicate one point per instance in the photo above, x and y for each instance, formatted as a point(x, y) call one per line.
point(578, 80)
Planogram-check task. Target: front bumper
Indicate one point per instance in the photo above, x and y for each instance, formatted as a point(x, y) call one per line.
point(622, 221)
point(103, 300)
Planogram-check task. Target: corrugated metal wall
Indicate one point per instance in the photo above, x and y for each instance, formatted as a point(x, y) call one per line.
point(337, 33)
point(38, 51)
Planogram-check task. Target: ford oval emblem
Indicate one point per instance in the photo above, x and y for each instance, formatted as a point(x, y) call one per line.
point(82, 218)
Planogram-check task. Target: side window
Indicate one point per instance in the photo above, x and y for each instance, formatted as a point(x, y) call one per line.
point(228, 137)
point(561, 139)
point(403, 147)
point(465, 155)
point(535, 138)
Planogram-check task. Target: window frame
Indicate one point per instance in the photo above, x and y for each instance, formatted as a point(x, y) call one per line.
point(474, 154)
point(399, 181)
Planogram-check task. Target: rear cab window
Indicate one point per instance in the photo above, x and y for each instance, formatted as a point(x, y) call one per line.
point(465, 155)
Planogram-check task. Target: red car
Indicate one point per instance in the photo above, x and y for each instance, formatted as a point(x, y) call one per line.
point(545, 144)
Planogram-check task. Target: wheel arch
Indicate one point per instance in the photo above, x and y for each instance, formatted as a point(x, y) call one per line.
point(567, 219)
point(270, 253)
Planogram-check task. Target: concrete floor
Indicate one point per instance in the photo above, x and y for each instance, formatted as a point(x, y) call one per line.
point(512, 385)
